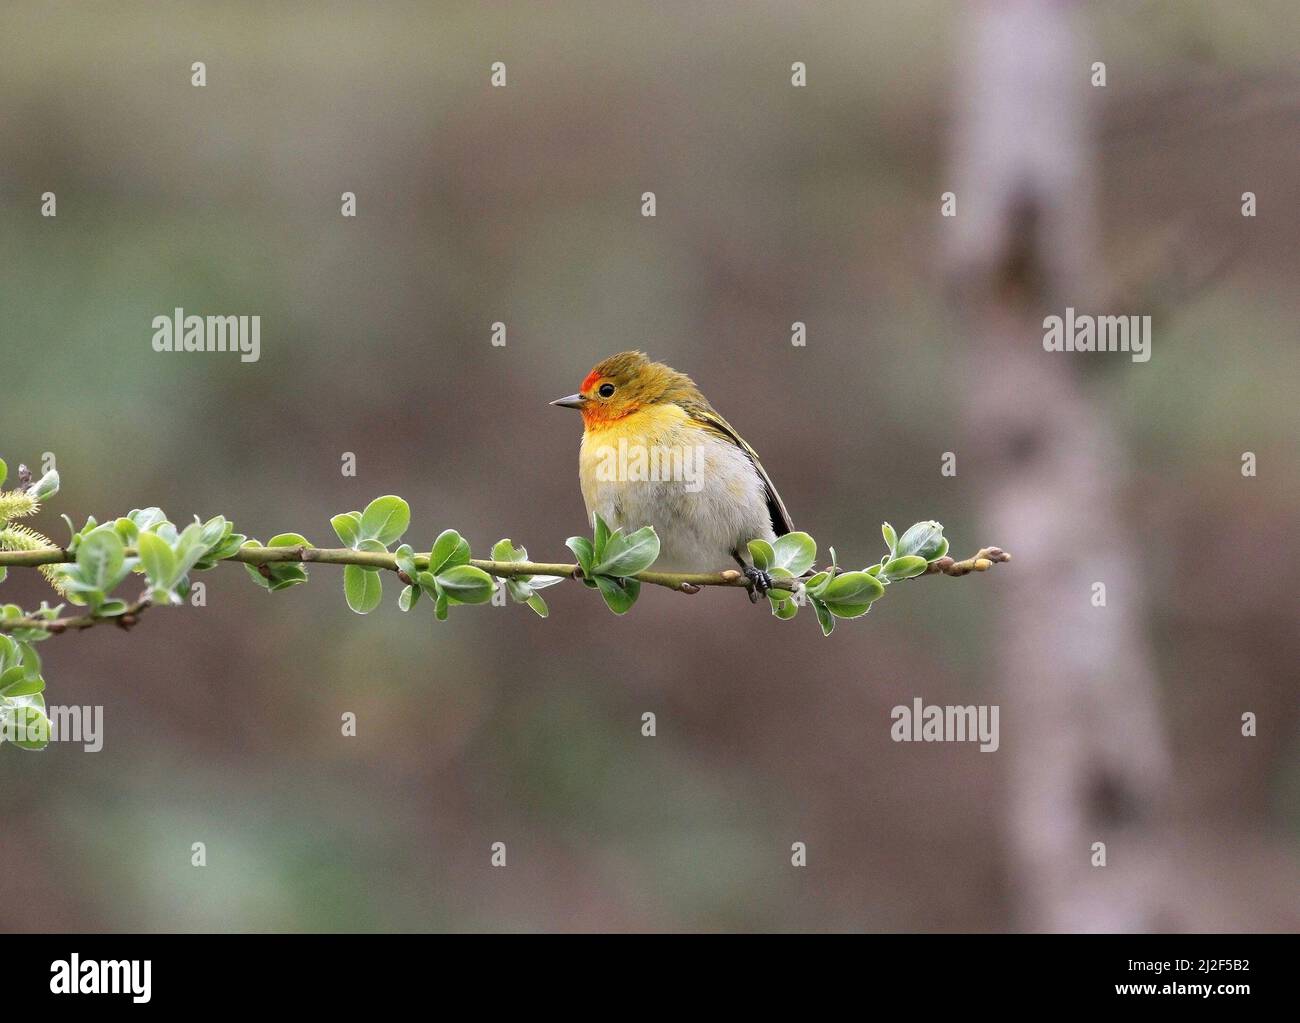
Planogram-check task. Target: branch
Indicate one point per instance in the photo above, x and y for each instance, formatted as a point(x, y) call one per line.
point(100, 557)
point(682, 582)
point(56, 626)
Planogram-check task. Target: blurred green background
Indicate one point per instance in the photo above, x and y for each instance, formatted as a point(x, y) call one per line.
point(522, 205)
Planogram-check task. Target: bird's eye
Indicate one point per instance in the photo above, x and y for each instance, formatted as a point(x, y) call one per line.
point(606, 390)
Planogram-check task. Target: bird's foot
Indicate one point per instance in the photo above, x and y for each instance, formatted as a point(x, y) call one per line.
point(759, 583)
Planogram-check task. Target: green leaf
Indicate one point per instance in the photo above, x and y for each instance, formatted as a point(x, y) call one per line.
point(286, 573)
point(30, 727)
point(288, 540)
point(4, 472)
point(466, 584)
point(761, 554)
point(939, 551)
point(214, 530)
point(363, 589)
point(192, 534)
point(783, 573)
point(147, 518)
point(853, 588)
point(619, 594)
point(31, 659)
point(224, 548)
point(584, 551)
point(891, 538)
point(189, 549)
point(348, 527)
point(408, 598)
point(440, 607)
point(9, 652)
point(100, 558)
point(26, 685)
point(923, 539)
point(404, 556)
point(600, 538)
point(628, 555)
point(504, 550)
point(127, 531)
point(851, 594)
point(449, 550)
point(73, 583)
point(156, 557)
point(17, 681)
point(77, 591)
point(794, 552)
point(538, 605)
point(252, 570)
point(45, 487)
point(783, 609)
point(900, 568)
point(824, 618)
point(814, 586)
point(385, 519)
point(281, 574)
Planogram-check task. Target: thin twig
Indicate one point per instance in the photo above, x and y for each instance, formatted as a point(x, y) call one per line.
point(126, 620)
point(981, 561)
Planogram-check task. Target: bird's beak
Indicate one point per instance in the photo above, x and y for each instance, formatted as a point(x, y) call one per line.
point(572, 401)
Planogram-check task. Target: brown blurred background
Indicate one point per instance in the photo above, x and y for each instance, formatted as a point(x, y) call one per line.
point(775, 204)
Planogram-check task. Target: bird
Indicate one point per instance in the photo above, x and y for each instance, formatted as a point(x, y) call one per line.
point(656, 453)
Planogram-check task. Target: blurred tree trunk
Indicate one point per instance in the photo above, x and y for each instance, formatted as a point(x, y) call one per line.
point(1082, 730)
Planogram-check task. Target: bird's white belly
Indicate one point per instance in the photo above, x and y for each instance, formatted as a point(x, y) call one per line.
point(711, 503)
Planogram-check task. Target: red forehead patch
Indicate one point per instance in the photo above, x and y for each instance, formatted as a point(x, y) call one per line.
point(587, 384)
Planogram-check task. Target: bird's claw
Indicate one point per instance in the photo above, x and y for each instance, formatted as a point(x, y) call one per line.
point(759, 583)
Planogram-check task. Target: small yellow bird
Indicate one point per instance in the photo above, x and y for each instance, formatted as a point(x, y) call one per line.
point(656, 453)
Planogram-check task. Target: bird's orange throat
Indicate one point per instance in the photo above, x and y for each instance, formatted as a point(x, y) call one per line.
point(600, 417)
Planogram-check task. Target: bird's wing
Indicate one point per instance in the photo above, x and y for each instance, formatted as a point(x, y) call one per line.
point(709, 418)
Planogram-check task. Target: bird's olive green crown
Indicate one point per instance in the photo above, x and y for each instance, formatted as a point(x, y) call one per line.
point(641, 381)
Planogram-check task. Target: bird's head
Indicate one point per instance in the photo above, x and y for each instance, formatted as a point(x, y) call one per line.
point(624, 384)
